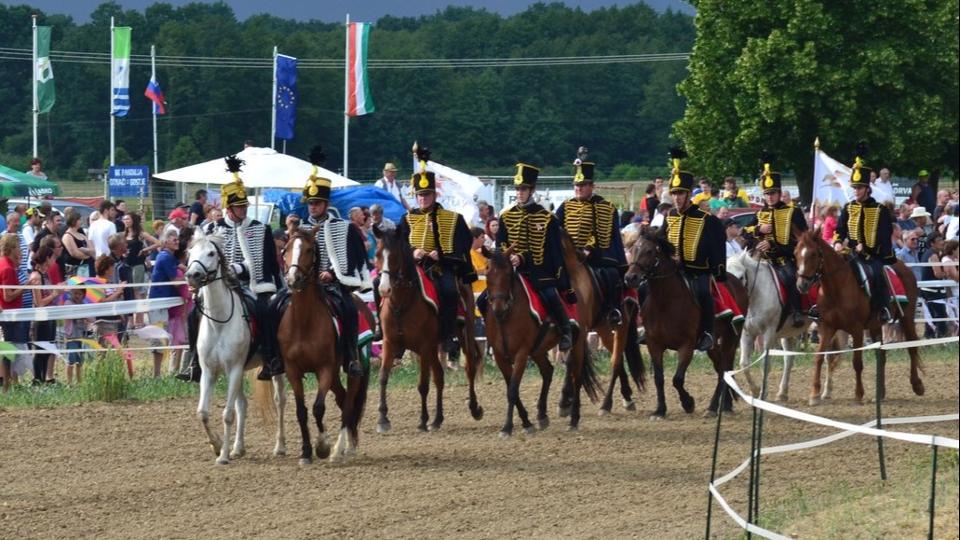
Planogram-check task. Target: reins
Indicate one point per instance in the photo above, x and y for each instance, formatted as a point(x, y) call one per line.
point(211, 276)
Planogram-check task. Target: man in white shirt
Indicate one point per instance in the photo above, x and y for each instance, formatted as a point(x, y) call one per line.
point(101, 229)
point(732, 229)
point(389, 183)
point(882, 189)
point(34, 221)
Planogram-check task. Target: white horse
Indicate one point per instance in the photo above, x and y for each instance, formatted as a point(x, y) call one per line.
point(763, 317)
point(223, 343)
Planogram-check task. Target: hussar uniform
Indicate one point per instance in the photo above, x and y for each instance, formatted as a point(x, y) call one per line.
point(699, 240)
point(593, 225)
point(868, 224)
point(785, 221)
point(534, 235)
point(446, 232)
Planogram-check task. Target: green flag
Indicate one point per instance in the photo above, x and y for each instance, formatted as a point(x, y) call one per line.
point(46, 95)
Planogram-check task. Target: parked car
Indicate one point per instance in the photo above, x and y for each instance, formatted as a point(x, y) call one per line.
point(58, 204)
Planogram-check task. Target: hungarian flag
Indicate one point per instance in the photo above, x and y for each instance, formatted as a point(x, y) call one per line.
point(359, 101)
point(46, 96)
point(155, 94)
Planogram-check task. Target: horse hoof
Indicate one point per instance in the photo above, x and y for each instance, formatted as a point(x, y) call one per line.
point(222, 461)
point(782, 398)
point(530, 431)
point(422, 428)
point(918, 387)
point(657, 415)
point(505, 434)
point(710, 414)
point(543, 423)
point(563, 412)
point(630, 405)
point(323, 452)
point(215, 448)
point(278, 452)
point(304, 461)
point(383, 427)
point(435, 427)
point(238, 454)
point(572, 427)
point(688, 405)
point(603, 412)
point(814, 401)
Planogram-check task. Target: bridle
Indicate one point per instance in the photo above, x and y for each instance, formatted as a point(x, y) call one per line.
point(650, 273)
point(297, 285)
point(210, 276)
point(818, 274)
point(399, 279)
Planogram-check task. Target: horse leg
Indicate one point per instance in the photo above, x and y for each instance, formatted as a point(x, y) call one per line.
point(575, 376)
point(684, 355)
point(474, 361)
point(203, 409)
point(239, 448)
point(858, 363)
point(507, 371)
point(788, 345)
point(280, 402)
point(436, 370)
point(910, 333)
point(617, 372)
point(746, 357)
point(296, 381)
point(234, 387)
point(546, 375)
point(513, 393)
point(826, 338)
point(620, 341)
point(319, 410)
point(423, 386)
point(386, 364)
point(656, 358)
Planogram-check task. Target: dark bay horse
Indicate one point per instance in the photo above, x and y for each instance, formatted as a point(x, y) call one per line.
point(844, 306)
point(307, 340)
point(409, 322)
point(670, 315)
point(515, 337)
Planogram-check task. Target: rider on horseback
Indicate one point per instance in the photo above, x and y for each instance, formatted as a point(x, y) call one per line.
point(249, 250)
point(534, 235)
point(441, 246)
point(594, 226)
point(866, 227)
point(771, 230)
point(699, 239)
point(341, 260)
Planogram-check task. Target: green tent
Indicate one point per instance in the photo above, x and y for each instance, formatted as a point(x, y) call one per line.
point(17, 184)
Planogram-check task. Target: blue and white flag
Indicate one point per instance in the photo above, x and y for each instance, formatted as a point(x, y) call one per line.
point(286, 98)
point(120, 72)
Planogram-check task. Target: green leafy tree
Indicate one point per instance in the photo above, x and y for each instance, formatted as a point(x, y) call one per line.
point(776, 75)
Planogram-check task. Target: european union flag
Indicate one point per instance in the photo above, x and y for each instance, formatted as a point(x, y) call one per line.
point(286, 104)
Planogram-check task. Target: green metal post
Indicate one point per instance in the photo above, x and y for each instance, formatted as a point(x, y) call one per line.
point(713, 463)
point(933, 490)
point(753, 457)
point(881, 356)
point(763, 396)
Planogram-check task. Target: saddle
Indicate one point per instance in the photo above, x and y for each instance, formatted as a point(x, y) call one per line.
point(538, 311)
point(724, 304)
point(629, 295)
point(864, 275)
point(428, 289)
point(281, 300)
point(807, 301)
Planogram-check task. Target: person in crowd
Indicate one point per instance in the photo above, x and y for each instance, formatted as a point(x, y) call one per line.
point(952, 221)
point(197, 214)
point(921, 219)
point(36, 169)
point(22, 210)
point(75, 330)
point(122, 272)
point(12, 225)
point(731, 196)
point(722, 213)
point(829, 225)
point(389, 183)
point(732, 229)
point(164, 270)
point(107, 325)
point(178, 220)
point(649, 202)
point(178, 324)
point(662, 191)
point(379, 220)
point(358, 219)
point(910, 252)
point(950, 258)
point(903, 217)
point(659, 219)
point(485, 213)
point(101, 229)
point(43, 330)
point(923, 193)
point(139, 245)
point(704, 192)
point(626, 218)
point(882, 188)
point(157, 226)
point(17, 332)
point(79, 256)
point(490, 231)
point(213, 214)
point(120, 210)
point(33, 225)
point(480, 266)
point(935, 297)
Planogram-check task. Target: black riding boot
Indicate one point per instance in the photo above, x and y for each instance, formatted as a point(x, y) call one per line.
point(615, 298)
point(378, 331)
point(447, 287)
point(551, 300)
point(701, 285)
point(789, 276)
point(348, 335)
point(880, 299)
point(191, 370)
point(268, 319)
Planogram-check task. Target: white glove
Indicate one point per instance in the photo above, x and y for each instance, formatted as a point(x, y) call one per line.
point(240, 271)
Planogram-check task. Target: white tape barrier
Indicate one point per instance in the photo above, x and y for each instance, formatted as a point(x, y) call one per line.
point(875, 345)
point(83, 311)
point(94, 286)
point(934, 263)
point(62, 352)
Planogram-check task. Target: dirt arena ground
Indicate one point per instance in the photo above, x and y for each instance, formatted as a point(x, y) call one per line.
point(144, 470)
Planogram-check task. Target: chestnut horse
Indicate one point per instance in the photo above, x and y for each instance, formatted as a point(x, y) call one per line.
point(844, 306)
point(515, 336)
point(409, 322)
point(670, 314)
point(307, 340)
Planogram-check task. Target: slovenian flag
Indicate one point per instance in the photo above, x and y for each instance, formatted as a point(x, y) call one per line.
point(359, 101)
point(120, 66)
point(155, 94)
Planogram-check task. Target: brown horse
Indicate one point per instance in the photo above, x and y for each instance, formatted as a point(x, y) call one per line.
point(515, 336)
point(844, 306)
point(307, 340)
point(409, 322)
point(670, 313)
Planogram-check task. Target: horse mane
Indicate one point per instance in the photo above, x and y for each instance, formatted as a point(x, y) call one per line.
point(658, 236)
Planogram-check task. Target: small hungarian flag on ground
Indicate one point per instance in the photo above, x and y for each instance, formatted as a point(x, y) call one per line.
point(359, 101)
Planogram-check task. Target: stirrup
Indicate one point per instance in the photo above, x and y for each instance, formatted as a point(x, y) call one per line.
point(565, 343)
point(354, 368)
point(615, 318)
point(706, 342)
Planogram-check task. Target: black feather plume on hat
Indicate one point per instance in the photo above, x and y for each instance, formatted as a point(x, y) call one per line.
point(423, 153)
point(677, 153)
point(233, 163)
point(862, 149)
point(317, 157)
point(767, 157)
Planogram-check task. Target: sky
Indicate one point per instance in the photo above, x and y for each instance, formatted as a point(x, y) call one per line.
point(336, 10)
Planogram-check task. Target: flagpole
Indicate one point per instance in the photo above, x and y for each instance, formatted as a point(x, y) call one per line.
point(113, 119)
point(346, 88)
point(36, 109)
point(273, 103)
point(153, 77)
point(813, 189)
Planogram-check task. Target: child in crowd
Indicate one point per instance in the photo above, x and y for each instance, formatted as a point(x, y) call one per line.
point(75, 330)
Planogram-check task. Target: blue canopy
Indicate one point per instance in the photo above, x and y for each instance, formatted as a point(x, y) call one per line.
point(341, 199)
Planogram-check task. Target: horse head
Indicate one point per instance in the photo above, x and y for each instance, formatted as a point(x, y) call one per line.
point(500, 278)
point(299, 257)
point(205, 258)
point(809, 254)
point(396, 257)
point(650, 251)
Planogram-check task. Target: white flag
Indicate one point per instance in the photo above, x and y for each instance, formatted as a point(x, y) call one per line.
point(831, 181)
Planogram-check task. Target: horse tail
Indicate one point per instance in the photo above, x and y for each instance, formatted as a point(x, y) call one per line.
point(360, 401)
point(263, 401)
point(588, 376)
point(634, 356)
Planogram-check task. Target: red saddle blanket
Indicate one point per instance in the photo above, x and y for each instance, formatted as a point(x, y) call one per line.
point(630, 294)
point(897, 290)
point(807, 301)
point(431, 296)
point(538, 311)
point(364, 332)
point(724, 305)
